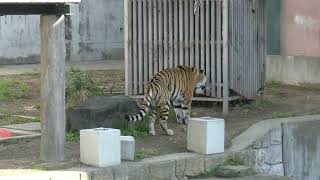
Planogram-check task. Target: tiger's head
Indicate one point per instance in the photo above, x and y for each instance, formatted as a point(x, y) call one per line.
point(201, 81)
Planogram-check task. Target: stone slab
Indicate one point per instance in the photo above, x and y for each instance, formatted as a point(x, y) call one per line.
point(127, 147)
point(36, 126)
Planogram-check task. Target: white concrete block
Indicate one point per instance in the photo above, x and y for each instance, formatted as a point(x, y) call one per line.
point(127, 147)
point(205, 135)
point(100, 147)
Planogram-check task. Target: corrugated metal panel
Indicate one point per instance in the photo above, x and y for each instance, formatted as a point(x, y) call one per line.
point(247, 46)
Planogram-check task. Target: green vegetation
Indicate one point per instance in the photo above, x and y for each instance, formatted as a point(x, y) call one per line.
point(247, 106)
point(12, 89)
point(79, 86)
point(234, 161)
point(145, 153)
point(140, 129)
point(135, 132)
point(274, 83)
point(208, 173)
point(72, 136)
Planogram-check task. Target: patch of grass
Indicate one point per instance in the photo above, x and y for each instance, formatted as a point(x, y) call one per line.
point(6, 117)
point(276, 115)
point(274, 83)
point(247, 106)
point(135, 132)
point(79, 86)
point(145, 153)
point(12, 89)
point(139, 130)
point(208, 173)
point(234, 161)
point(35, 119)
point(72, 136)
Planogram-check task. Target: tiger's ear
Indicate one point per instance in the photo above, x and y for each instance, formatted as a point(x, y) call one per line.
point(202, 71)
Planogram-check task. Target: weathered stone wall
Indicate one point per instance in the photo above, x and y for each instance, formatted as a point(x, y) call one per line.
point(265, 154)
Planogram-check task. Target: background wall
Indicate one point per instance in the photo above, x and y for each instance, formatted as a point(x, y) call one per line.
point(273, 26)
point(301, 28)
point(94, 31)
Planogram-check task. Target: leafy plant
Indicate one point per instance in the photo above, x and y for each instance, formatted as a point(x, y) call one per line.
point(72, 136)
point(234, 161)
point(79, 86)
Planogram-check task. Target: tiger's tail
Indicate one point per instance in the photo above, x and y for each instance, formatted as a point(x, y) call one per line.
point(144, 109)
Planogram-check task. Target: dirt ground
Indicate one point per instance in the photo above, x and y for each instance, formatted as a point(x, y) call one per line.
point(278, 101)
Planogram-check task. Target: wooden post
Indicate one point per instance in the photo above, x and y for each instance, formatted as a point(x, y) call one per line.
point(52, 88)
point(127, 46)
point(225, 57)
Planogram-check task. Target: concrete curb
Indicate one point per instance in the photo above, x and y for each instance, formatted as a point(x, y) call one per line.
point(171, 166)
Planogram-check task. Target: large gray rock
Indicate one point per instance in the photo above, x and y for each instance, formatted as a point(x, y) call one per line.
point(101, 111)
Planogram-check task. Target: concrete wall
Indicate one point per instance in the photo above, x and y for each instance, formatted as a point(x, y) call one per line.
point(94, 31)
point(301, 155)
point(19, 39)
point(265, 154)
point(293, 70)
point(301, 28)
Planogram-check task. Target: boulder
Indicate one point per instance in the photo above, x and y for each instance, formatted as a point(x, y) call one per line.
point(101, 111)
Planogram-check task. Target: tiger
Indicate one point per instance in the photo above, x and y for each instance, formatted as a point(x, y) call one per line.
point(171, 85)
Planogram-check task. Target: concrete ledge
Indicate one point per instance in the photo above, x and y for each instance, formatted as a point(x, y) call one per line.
point(258, 130)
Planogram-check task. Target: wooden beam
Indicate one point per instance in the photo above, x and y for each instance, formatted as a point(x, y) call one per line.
point(52, 88)
point(33, 9)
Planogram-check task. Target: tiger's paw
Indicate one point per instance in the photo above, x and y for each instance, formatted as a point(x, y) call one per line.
point(184, 127)
point(152, 132)
point(169, 132)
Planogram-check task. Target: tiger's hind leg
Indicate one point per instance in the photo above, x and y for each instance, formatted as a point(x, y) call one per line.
point(185, 106)
point(152, 120)
point(163, 108)
point(178, 111)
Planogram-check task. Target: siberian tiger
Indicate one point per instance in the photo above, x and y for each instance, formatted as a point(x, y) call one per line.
point(176, 85)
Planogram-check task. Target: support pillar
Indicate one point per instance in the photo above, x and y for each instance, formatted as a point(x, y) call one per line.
point(52, 87)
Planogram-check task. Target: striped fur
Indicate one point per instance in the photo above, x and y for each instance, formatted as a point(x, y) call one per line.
point(171, 85)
